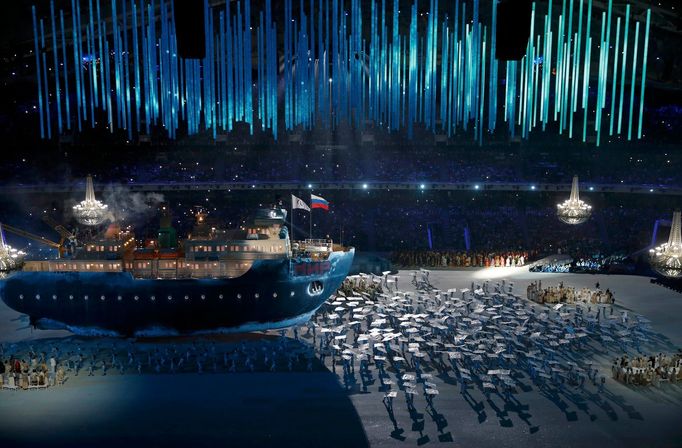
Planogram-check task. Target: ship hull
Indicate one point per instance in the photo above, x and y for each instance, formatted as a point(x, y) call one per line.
point(272, 294)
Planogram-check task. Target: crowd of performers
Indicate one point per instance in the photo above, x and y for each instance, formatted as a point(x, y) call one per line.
point(568, 294)
point(556, 267)
point(98, 358)
point(648, 370)
point(458, 259)
point(485, 339)
point(589, 264)
point(37, 371)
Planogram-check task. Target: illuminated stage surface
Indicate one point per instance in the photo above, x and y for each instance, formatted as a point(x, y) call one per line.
point(312, 409)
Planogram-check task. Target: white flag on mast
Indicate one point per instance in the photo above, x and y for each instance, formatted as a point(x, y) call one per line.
point(298, 203)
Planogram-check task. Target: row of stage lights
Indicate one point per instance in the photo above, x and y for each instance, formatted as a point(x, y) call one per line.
point(366, 186)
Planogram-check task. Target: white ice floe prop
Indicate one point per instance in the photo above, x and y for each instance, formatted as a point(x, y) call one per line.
point(10, 258)
point(573, 210)
point(90, 212)
point(486, 335)
point(666, 259)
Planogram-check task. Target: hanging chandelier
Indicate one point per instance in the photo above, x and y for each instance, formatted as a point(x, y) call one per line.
point(10, 258)
point(90, 212)
point(666, 259)
point(573, 210)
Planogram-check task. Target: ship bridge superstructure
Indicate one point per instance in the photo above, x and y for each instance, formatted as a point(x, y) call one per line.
point(208, 252)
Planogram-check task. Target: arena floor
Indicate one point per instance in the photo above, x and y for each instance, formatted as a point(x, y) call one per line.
point(313, 408)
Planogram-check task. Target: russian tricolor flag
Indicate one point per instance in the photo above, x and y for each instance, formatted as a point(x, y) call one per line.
point(318, 202)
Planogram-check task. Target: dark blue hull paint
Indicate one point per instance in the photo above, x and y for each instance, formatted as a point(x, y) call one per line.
point(116, 302)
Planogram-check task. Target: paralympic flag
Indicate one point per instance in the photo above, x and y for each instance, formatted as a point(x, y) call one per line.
point(319, 202)
point(297, 203)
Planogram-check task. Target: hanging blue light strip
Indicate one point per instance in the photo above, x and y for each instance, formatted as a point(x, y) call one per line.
point(36, 50)
point(440, 74)
point(43, 80)
point(55, 55)
point(65, 71)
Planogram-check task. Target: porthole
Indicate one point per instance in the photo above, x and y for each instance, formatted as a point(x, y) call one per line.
point(170, 298)
point(21, 297)
point(102, 298)
point(186, 297)
point(220, 297)
point(136, 298)
point(315, 288)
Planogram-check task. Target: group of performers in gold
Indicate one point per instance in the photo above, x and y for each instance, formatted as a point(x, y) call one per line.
point(648, 370)
point(20, 374)
point(460, 259)
point(366, 284)
point(568, 294)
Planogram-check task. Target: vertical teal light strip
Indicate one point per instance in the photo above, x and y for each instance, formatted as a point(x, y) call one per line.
point(586, 85)
point(38, 72)
point(536, 83)
point(529, 80)
point(586, 64)
point(560, 87)
point(567, 66)
point(644, 57)
point(522, 83)
point(55, 56)
point(512, 97)
point(529, 85)
point(576, 65)
point(607, 48)
point(492, 106)
point(574, 85)
point(559, 58)
point(561, 49)
point(615, 77)
point(528, 77)
point(547, 66)
point(632, 83)
point(622, 71)
point(506, 91)
point(482, 84)
point(600, 79)
point(67, 113)
point(601, 69)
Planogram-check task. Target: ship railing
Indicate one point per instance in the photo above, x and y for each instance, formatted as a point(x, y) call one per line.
point(316, 245)
point(318, 241)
